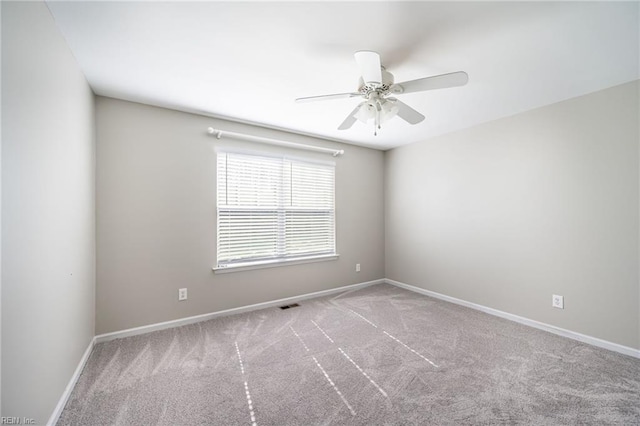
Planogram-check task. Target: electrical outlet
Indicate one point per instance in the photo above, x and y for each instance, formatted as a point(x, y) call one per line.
point(357, 267)
point(182, 294)
point(557, 301)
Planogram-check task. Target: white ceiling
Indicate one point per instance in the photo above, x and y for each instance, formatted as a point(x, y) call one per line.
point(248, 61)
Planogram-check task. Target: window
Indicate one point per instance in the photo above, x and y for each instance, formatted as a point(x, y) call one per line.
point(272, 210)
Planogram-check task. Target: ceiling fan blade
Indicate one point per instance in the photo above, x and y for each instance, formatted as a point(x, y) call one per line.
point(407, 113)
point(369, 63)
point(329, 97)
point(442, 81)
point(351, 118)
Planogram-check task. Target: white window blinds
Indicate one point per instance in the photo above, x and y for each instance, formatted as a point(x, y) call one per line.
point(272, 209)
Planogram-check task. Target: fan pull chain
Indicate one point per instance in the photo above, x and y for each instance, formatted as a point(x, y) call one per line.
point(378, 107)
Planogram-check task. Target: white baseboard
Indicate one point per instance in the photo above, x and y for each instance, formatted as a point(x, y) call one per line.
point(204, 317)
point(67, 391)
point(522, 320)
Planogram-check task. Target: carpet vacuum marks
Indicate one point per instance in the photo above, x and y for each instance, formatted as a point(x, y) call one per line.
point(378, 355)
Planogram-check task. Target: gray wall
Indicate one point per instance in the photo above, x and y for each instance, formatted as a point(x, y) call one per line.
point(508, 213)
point(156, 219)
point(48, 220)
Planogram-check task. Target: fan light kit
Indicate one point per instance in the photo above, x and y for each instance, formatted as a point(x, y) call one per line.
point(377, 84)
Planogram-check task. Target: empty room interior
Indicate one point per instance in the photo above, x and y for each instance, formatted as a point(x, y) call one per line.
point(320, 213)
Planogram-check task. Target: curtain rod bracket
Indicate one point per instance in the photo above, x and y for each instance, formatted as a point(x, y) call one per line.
point(218, 133)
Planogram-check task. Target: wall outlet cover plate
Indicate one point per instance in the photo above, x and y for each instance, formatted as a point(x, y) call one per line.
point(557, 301)
point(182, 294)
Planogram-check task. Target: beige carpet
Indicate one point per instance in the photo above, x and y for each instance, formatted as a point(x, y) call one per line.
point(380, 355)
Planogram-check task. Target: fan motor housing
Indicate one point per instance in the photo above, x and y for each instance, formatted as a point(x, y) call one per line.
point(367, 88)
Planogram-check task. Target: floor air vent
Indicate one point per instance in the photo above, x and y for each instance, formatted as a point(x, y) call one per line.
point(294, 305)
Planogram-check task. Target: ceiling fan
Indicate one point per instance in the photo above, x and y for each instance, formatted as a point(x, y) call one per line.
point(377, 86)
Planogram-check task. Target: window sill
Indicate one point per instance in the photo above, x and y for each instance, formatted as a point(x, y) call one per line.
point(273, 263)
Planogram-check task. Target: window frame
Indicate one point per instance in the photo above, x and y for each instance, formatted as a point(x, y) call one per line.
point(280, 259)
